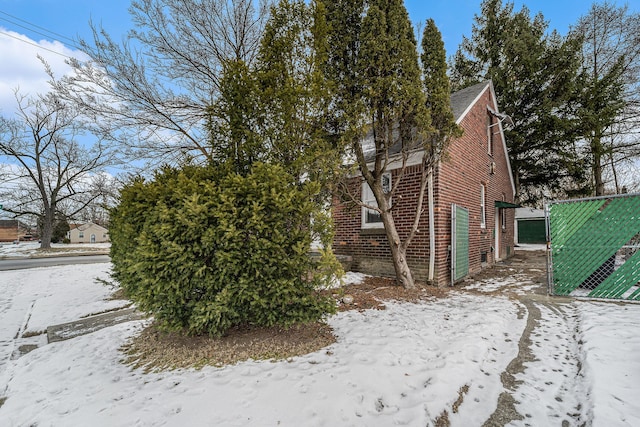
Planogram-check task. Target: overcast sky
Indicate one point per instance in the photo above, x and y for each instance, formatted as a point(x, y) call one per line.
point(32, 27)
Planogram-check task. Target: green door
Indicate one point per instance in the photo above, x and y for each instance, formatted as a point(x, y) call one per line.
point(459, 243)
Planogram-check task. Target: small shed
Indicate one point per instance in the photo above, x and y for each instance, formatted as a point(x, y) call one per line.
point(530, 226)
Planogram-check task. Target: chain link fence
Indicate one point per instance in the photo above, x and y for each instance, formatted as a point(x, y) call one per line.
point(594, 247)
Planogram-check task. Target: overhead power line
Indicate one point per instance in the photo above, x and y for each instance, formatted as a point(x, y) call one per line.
point(34, 44)
point(30, 27)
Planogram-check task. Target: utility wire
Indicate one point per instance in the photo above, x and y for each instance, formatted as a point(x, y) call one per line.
point(36, 32)
point(49, 32)
point(35, 44)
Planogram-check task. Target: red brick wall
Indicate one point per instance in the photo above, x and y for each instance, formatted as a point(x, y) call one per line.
point(457, 180)
point(368, 247)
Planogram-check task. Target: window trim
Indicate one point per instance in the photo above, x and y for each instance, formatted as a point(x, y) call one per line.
point(483, 206)
point(372, 201)
point(503, 214)
point(490, 136)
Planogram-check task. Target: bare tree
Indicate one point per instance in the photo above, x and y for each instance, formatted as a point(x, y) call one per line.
point(50, 170)
point(153, 92)
point(609, 110)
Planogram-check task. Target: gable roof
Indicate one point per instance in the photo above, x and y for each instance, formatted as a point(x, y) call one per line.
point(463, 100)
point(81, 226)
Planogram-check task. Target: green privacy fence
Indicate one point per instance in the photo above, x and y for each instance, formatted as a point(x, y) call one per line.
point(459, 243)
point(595, 247)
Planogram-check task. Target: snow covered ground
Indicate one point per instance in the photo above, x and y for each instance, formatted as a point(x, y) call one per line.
point(405, 365)
point(29, 249)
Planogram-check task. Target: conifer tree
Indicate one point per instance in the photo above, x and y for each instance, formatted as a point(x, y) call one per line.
point(437, 90)
point(379, 103)
point(438, 95)
point(534, 74)
point(233, 120)
point(292, 91)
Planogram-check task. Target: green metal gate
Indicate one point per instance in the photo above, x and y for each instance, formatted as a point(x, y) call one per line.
point(459, 243)
point(595, 247)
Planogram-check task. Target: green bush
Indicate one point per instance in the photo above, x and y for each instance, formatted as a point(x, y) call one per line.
point(203, 252)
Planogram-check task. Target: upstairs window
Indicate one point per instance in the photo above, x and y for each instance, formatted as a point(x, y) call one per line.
point(490, 133)
point(483, 210)
point(370, 217)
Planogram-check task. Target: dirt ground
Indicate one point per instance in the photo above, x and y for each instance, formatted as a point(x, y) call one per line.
point(157, 350)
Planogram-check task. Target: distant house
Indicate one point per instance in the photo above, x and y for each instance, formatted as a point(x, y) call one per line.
point(530, 226)
point(473, 203)
point(13, 229)
point(87, 233)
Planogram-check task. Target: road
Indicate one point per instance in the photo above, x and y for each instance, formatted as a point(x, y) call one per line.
point(19, 264)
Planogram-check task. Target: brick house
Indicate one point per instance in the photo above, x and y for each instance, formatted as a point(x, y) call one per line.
point(475, 176)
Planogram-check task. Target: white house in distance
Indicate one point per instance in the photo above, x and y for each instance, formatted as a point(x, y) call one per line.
point(87, 233)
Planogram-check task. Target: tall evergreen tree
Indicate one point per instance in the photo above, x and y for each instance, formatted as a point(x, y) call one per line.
point(293, 96)
point(344, 22)
point(438, 93)
point(233, 120)
point(534, 74)
point(294, 102)
point(380, 109)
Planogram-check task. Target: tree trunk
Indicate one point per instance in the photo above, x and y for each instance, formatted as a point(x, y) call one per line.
point(47, 230)
point(398, 253)
point(615, 174)
point(596, 148)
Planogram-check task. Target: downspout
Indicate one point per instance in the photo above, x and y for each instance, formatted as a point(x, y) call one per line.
point(432, 234)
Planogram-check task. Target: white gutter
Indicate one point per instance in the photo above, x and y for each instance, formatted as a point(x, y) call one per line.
point(432, 234)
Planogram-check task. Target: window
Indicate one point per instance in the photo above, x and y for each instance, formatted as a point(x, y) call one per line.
point(483, 210)
point(81, 234)
point(503, 214)
point(490, 130)
point(371, 218)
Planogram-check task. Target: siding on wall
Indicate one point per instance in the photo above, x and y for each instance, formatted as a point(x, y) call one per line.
point(101, 233)
point(11, 230)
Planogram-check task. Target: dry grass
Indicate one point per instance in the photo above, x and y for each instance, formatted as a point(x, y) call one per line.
point(375, 291)
point(155, 350)
point(461, 393)
point(71, 250)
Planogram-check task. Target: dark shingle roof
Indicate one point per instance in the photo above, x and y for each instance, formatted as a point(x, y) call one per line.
point(461, 99)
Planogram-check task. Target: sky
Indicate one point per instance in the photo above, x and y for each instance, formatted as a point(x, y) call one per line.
point(61, 21)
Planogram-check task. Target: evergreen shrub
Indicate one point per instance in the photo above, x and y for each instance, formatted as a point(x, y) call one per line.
point(203, 252)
